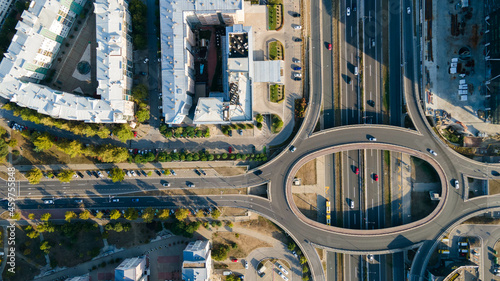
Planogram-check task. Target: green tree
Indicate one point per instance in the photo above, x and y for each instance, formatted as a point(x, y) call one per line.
point(31, 216)
point(117, 174)
point(85, 215)
point(164, 214)
point(142, 115)
point(99, 215)
point(220, 251)
point(181, 214)
point(43, 142)
point(34, 176)
point(200, 214)
point(45, 246)
point(46, 227)
point(118, 227)
point(148, 215)
point(45, 217)
point(70, 215)
point(13, 143)
point(215, 213)
point(291, 246)
point(140, 93)
point(66, 175)
point(103, 132)
point(33, 234)
point(303, 260)
point(115, 214)
point(123, 132)
point(112, 154)
point(305, 278)
point(16, 216)
point(131, 214)
point(72, 148)
point(259, 118)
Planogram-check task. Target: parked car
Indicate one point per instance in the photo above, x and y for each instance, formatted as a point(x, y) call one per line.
point(352, 204)
point(456, 184)
point(234, 260)
point(297, 68)
point(297, 26)
point(230, 149)
point(197, 172)
point(296, 15)
point(297, 39)
point(294, 60)
point(172, 172)
point(297, 75)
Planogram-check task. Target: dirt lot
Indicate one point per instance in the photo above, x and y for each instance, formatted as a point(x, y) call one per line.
point(29, 248)
point(421, 205)
point(52, 156)
point(246, 244)
point(494, 186)
point(228, 212)
point(307, 173)
point(307, 204)
point(234, 171)
point(140, 233)
point(264, 226)
point(70, 252)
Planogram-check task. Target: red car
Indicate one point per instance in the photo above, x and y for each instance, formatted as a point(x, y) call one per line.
point(135, 134)
point(356, 170)
point(375, 177)
point(234, 260)
point(329, 46)
point(230, 149)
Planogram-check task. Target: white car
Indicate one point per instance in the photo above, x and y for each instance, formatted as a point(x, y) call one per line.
point(292, 148)
point(166, 184)
point(129, 174)
point(297, 75)
point(408, 10)
point(372, 139)
point(172, 172)
point(282, 268)
point(348, 11)
point(297, 26)
point(456, 184)
point(370, 258)
point(48, 201)
point(352, 204)
point(432, 152)
point(133, 173)
point(246, 265)
point(160, 107)
point(294, 60)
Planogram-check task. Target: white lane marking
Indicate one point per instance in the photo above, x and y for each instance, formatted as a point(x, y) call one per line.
point(370, 70)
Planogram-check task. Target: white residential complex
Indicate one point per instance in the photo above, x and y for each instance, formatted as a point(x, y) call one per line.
point(36, 44)
point(197, 261)
point(4, 9)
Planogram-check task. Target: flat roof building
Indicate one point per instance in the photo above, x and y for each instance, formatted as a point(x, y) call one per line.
point(45, 25)
point(197, 261)
point(132, 269)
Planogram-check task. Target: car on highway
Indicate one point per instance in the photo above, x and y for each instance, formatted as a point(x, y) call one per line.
point(348, 11)
point(135, 200)
point(329, 46)
point(348, 80)
point(282, 268)
point(352, 204)
point(78, 201)
point(166, 184)
point(257, 172)
point(49, 201)
point(294, 60)
point(191, 185)
point(373, 42)
point(234, 260)
point(408, 10)
point(372, 139)
point(297, 26)
point(297, 39)
point(432, 152)
point(115, 200)
point(375, 177)
point(456, 184)
point(293, 148)
point(356, 170)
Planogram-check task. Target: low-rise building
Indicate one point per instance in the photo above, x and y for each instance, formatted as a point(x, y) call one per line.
point(132, 269)
point(197, 261)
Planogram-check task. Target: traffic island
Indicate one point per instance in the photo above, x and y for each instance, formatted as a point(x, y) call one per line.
point(276, 93)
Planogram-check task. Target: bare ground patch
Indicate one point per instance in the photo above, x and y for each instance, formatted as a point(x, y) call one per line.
point(230, 171)
point(421, 205)
point(307, 204)
point(24, 271)
point(265, 227)
point(494, 187)
point(307, 173)
point(246, 244)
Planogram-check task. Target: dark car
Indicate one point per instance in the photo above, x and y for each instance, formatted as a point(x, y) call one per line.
point(197, 172)
point(296, 15)
point(89, 173)
point(297, 68)
point(203, 172)
point(230, 133)
point(297, 78)
point(95, 174)
point(257, 172)
point(297, 39)
point(79, 174)
point(135, 200)
point(158, 172)
point(144, 73)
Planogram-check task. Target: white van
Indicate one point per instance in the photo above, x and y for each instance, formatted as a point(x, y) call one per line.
point(355, 70)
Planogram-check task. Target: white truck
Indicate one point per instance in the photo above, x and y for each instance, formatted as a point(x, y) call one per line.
point(297, 181)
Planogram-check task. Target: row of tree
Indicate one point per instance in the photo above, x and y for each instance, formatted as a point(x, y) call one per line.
point(138, 10)
point(140, 95)
point(165, 156)
point(184, 132)
point(121, 131)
